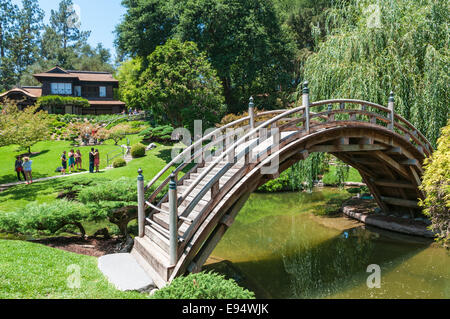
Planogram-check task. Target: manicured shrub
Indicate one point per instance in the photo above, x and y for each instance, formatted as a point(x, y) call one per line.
point(119, 162)
point(138, 150)
point(45, 219)
point(160, 134)
point(203, 286)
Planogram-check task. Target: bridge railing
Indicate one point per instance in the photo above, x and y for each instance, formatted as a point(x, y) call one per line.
point(302, 118)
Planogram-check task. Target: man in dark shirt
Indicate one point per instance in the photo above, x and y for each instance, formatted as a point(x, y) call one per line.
point(91, 160)
point(19, 169)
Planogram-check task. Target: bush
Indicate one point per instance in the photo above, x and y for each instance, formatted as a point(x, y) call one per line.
point(138, 150)
point(203, 286)
point(45, 219)
point(280, 184)
point(119, 162)
point(113, 200)
point(436, 185)
point(160, 134)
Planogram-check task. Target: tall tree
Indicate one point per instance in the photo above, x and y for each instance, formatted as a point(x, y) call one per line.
point(67, 25)
point(375, 48)
point(25, 44)
point(8, 14)
point(243, 39)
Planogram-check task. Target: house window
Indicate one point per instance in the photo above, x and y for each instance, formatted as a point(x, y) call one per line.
point(61, 88)
point(102, 91)
point(77, 90)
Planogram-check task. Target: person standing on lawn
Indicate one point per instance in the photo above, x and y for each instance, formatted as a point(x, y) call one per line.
point(19, 168)
point(71, 161)
point(97, 160)
point(91, 160)
point(63, 163)
point(78, 160)
point(27, 169)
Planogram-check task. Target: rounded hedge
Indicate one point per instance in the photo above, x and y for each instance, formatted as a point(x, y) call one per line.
point(138, 150)
point(203, 286)
point(119, 162)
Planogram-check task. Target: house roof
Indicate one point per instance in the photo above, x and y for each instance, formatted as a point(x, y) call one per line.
point(84, 76)
point(32, 92)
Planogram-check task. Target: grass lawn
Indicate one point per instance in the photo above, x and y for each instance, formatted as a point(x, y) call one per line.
point(49, 154)
point(46, 191)
point(34, 271)
point(331, 177)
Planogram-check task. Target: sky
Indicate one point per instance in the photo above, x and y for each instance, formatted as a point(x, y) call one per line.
point(98, 16)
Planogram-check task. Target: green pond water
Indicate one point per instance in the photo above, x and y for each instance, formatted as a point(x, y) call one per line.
point(279, 249)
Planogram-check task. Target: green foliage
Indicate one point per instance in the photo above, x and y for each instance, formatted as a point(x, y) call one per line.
point(280, 184)
point(436, 185)
point(44, 219)
point(138, 150)
point(181, 86)
point(307, 171)
point(203, 286)
point(243, 40)
point(24, 128)
point(119, 162)
point(115, 200)
point(371, 49)
point(49, 101)
point(161, 134)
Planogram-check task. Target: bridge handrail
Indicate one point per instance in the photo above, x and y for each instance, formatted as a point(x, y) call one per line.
point(265, 125)
point(188, 149)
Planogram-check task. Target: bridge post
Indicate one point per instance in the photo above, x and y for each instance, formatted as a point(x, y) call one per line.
point(251, 112)
point(141, 203)
point(305, 99)
point(391, 108)
point(173, 219)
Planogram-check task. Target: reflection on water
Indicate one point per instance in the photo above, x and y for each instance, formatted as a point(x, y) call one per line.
point(280, 250)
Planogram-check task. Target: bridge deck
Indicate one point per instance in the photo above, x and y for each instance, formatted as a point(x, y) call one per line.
point(389, 160)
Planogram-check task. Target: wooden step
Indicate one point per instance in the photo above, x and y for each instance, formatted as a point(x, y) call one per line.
point(155, 236)
point(155, 256)
point(194, 213)
point(162, 219)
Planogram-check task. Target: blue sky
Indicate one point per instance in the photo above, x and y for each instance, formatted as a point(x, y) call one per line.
point(98, 16)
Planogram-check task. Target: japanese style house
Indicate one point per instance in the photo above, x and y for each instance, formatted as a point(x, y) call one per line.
point(97, 87)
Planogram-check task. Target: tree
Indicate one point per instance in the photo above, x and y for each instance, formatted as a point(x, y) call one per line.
point(25, 44)
point(24, 128)
point(180, 85)
point(373, 49)
point(244, 41)
point(66, 24)
point(8, 13)
point(436, 185)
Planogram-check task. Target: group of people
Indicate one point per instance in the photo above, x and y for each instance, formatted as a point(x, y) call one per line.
point(23, 166)
point(75, 159)
point(71, 160)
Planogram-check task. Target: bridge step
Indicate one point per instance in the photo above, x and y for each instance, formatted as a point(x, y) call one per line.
point(155, 256)
point(163, 220)
point(155, 236)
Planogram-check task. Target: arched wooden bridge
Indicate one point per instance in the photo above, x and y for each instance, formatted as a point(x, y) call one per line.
point(178, 233)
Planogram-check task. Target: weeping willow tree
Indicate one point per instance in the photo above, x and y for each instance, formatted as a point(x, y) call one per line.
point(307, 171)
point(373, 47)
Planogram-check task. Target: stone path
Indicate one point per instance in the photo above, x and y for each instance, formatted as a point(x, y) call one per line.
point(124, 273)
point(8, 185)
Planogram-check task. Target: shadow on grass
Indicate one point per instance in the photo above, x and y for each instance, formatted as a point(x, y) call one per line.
point(166, 156)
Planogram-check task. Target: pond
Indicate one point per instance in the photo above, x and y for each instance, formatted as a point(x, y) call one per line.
point(279, 249)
